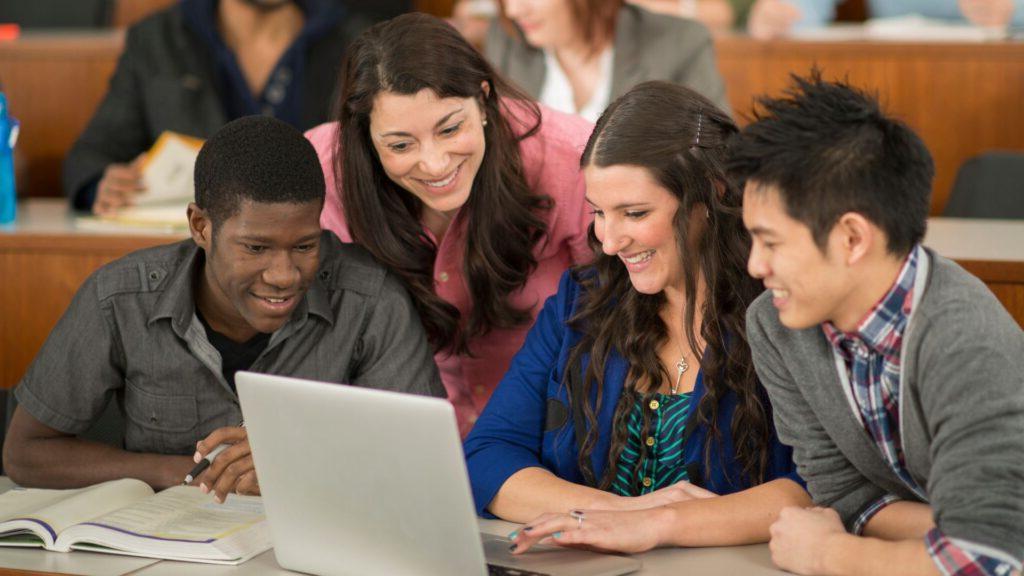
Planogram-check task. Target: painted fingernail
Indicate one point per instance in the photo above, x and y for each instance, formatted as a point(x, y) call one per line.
point(527, 528)
point(513, 535)
point(512, 548)
point(556, 535)
point(197, 457)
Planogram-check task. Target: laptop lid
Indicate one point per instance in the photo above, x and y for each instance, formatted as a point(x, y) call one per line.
point(360, 481)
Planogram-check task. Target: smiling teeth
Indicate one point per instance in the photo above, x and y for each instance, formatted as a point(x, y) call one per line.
point(443, 183)
point(275, 300)
point(780, 293)
point(641, 257)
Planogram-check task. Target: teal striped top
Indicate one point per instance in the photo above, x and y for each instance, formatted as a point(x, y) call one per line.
point(659, 451)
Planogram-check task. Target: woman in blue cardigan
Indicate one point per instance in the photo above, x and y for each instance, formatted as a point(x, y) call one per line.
point(633, 405)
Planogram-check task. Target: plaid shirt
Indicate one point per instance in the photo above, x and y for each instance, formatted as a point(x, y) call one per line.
point(872, 358)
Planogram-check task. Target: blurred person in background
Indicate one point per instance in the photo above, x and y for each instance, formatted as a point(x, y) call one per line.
point(197, 65)
point(774, 18)
point(577, 56)
point(472, 17)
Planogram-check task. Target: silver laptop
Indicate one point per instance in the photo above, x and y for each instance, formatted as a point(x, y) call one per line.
point(359, 481)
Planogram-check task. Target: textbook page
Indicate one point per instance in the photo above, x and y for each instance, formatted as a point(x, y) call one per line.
point(43, 514)
point(180, 523)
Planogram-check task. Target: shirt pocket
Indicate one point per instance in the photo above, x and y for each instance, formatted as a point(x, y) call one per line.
point(160, 423)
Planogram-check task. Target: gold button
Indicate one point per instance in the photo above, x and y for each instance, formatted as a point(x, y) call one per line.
point(647, 482)
point(443, 276)
point(650, 440)
point(654, 404)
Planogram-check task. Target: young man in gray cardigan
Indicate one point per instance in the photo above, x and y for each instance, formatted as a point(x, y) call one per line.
point(896, 376)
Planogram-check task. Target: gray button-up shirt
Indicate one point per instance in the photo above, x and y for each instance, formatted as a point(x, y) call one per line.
point(131, 332)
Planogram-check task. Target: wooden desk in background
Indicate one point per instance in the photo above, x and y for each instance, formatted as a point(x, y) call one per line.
point(963, 98)
point(45, 256)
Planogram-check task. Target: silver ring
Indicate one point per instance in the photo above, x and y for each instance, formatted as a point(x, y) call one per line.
point(578, 515)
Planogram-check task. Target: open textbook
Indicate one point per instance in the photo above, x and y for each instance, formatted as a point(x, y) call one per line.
point(126, 517)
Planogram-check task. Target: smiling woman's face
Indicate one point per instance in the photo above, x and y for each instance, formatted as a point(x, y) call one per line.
point(432, 147)
point(634, 220)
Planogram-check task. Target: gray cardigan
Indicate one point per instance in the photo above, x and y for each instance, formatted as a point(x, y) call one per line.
point(961, 411)
point(648, 46)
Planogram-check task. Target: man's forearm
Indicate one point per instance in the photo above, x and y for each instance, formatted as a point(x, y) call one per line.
point(849, 555)
point(73, 463)
point(901, 521)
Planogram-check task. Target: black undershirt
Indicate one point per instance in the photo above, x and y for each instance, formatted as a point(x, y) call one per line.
point(234, 356)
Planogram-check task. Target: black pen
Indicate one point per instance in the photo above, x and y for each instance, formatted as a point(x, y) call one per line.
point(206, 461)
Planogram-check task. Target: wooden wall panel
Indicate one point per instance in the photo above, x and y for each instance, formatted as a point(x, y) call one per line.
point(40, 276)
point(963, 99)
point(1012, 297)
point(53, 83)
point(442, 8)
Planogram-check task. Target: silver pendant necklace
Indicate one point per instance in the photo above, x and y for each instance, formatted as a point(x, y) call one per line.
point(681, 368)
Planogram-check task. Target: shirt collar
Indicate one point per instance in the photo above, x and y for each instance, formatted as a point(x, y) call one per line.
point(887, 317)
point(177, 301)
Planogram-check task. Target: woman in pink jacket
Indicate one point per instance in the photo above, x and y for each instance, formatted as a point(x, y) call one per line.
point(465, 188)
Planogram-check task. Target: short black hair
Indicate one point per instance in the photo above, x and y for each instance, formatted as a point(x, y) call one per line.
point(829, 149)
point(260, 159)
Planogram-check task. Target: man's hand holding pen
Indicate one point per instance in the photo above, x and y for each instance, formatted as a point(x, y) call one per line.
point(230, 470)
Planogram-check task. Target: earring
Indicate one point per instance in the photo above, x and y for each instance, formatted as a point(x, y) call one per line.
point(484, 122)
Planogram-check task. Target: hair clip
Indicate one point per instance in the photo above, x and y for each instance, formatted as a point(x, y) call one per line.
point(700, 125)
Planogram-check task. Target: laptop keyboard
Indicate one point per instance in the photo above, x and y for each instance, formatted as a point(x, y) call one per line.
point(495, 570)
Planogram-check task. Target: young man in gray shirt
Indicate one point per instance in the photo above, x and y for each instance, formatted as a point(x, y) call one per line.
point(896, 376)
point(258, 287)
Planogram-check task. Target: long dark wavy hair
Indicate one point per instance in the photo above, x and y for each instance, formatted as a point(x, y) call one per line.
point(680, 137)
point(503, 216)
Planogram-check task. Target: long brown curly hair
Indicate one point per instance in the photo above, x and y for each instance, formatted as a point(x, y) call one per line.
point(503, 215)
point(680, 137)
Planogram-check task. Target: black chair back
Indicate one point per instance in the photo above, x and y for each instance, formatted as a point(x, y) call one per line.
point(990, 185)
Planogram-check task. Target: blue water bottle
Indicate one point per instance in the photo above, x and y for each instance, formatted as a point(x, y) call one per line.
point(8, 136)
